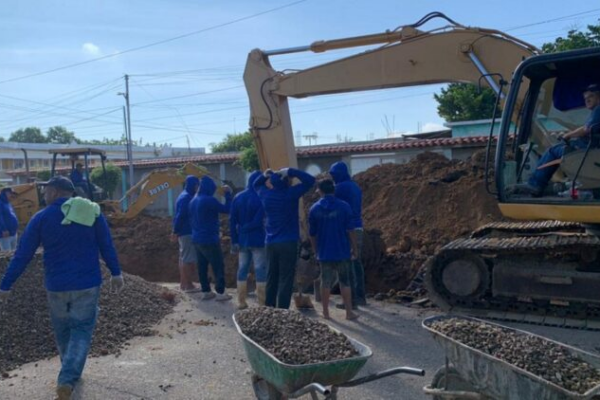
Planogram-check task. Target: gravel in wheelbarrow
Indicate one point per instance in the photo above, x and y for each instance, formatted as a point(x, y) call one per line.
point(294, 338)
point(533, 354)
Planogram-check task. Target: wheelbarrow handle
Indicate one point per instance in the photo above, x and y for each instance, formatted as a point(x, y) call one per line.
point(310, 388)
point(383, 374)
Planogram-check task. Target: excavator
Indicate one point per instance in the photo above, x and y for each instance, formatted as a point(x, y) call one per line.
point(545, 269)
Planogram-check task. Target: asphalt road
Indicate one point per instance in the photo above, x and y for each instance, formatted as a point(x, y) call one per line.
point(192, 359)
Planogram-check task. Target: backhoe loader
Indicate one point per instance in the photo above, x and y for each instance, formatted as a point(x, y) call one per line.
point(546, 270)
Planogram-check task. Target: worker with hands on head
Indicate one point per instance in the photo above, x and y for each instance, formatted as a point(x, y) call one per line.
point(333, 237)
point(8, 220)
point(348, 190)
point(204, 213)
point(247, 229)
point(72, 272)
point(578, 139)
point(280, 201)
point(182, 233)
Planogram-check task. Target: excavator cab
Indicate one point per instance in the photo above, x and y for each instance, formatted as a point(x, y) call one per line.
point(530, 151)
point(80, 160)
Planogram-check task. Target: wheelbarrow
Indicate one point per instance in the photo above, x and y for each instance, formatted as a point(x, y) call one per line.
point(472, 374)
point(275, 380)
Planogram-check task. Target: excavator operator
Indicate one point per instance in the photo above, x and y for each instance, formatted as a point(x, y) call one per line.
point(578, 139)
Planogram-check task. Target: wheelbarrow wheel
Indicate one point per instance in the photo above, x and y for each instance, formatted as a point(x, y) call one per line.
point(263, 390)
point(455, 382)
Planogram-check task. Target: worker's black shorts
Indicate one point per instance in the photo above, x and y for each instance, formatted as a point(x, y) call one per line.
point(335, 270)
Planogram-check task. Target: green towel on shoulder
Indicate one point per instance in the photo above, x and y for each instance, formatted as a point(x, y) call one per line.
point(80, 210)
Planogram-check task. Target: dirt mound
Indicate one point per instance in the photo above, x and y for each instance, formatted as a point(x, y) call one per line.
point(25, 330)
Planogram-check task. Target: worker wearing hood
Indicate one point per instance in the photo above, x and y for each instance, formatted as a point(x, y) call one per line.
point(182, 232)
point(347, 190)
point(246, 226)
point(8, 221)
point(205, 210)
point(282, 227)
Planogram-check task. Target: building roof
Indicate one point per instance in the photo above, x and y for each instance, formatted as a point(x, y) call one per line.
point(308, 151)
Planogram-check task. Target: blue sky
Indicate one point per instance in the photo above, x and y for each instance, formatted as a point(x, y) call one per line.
point(207, 100)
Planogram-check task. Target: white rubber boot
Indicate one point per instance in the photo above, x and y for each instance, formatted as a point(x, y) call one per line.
point(261, 292)
point(242, 291)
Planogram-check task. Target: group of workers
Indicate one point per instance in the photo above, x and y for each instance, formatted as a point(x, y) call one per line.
point(265, 229)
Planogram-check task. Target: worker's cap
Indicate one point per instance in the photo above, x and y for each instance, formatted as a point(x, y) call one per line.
point(61, 183)
point(593, 88)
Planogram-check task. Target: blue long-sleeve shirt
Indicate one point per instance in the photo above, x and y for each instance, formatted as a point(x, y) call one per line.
point(281, 205)
point(71, 252)
point(182, 224)
point(329, 220)
point(347, 190)
point(8, 218)
point(76, 177)
point(205, 210)
point(247, 217)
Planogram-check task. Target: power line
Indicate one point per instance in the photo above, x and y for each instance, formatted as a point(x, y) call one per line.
point(119, 53)
point(551, 20)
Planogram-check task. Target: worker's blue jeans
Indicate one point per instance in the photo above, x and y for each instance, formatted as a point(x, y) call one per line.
point(281, 271)
point(246, 256)
point(73, 315)
point(210, 254)
point(541, 177)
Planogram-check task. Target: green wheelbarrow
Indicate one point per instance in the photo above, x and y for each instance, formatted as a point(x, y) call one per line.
point(274, 380)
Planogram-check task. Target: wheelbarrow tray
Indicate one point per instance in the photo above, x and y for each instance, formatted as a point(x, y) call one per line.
point(499, 379)
point(289, 378)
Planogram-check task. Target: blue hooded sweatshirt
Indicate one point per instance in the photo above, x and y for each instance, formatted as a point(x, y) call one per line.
point(346, 189)
point(281, 205)
point(70, 251)
point(247, 218)
point(330, 219)
point(8, 218)
point(181, 222)
point(204, 210)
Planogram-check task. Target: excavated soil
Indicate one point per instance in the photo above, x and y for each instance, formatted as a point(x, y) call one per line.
point(25, 330)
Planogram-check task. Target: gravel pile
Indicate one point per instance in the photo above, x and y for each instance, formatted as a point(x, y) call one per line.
point(293, 338)
point(533, 354)
point(26, 334)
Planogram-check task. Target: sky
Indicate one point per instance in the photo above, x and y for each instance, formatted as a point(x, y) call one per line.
point(189, 90)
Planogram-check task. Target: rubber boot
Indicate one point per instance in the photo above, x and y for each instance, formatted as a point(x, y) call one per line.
point(242, 291)
point(261, 292)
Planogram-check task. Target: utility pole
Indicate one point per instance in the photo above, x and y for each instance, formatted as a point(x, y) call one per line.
point(128, 131)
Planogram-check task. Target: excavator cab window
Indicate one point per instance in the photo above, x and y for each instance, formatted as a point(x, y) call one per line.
point(545, 167)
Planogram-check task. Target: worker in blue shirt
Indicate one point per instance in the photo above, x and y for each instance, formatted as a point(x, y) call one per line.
point(204, 212)
point(349, 191)
point(182, 233)
point(8, 220)
point(247, 229)
point(333, 237)
point(280, 201)
point(78, 179)
point(72, 274)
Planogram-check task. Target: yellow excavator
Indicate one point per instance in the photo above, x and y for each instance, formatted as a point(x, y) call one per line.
point(545, 270)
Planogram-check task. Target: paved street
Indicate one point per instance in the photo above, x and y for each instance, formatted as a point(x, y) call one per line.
point(191, 359)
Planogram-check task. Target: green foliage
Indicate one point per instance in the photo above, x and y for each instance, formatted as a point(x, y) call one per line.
point(575, 40)
point(43, 175)
point(1, 139)
point(113, 178)
point(249, 159)
point(60, 134)
point(233, 142)
point(465, 102)
point(28, 135)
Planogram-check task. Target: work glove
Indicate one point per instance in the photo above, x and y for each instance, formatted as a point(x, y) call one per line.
point(235, 248)
point(116, 284)
point(268, 172)
point(283, 172)
point(4, 294)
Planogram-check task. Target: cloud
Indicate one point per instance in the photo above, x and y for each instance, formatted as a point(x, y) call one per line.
point(432, 127)
point(91, 49)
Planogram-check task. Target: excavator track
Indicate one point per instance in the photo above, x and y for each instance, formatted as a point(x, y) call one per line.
point(544, 277)
point(526, 228)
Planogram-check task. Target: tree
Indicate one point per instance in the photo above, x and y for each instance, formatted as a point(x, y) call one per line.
point(249, 159)
point(233, 142)
point(43, 175)
point(60, 134)
point(108, 183)
point(465, 102)
point(1, 139)
point(28, 135)
point(575, 40)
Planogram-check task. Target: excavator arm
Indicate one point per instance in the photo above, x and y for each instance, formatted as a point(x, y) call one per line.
point(407, 57)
